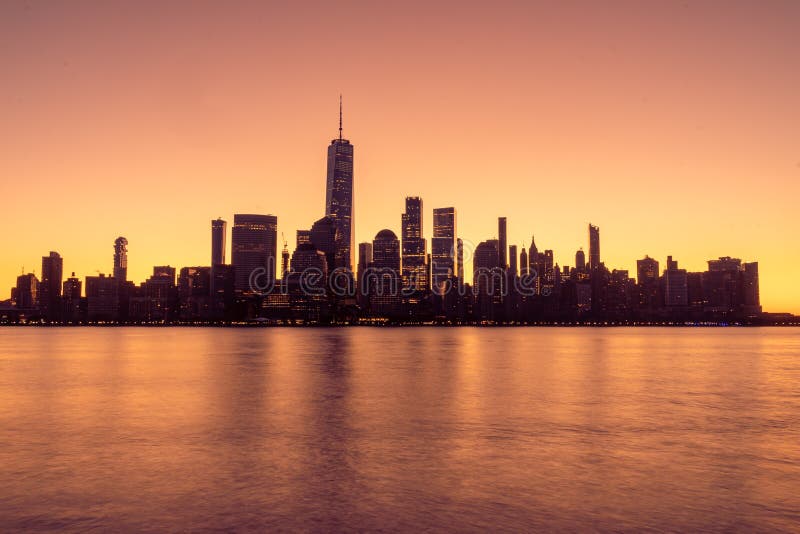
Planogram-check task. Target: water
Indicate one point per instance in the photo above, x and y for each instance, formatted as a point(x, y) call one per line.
point(399, 429)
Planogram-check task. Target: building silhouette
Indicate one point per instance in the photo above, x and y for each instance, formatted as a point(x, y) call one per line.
point(648, 282)
point(398, 280)
point(25, 295)
point(339, 196)
point(194, 293)
point(594, 247)
point(71, 300)
point(487, 279)
point(383, 277)
point(219, 232)
point(414, 247)
point(676, 286)
point(50, 287)
point(502, 242)
point(120, 260)
point(254, 251)
point(580, 260)
point(102, 298)
point(324, 236)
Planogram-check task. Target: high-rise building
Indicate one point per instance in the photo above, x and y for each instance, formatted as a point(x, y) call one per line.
point(385, 278)
point(694, 290)
point(533, 252)
point(580, 260)
point(750, 293)
point(647, 280)
point(721, 285)
point(512, 256)
point(324, 233)
point(219, 231)
point(487, 279)
point(460, 260)
point(71, 299)
point(523, 262)
point(676, 285)
point(730, 286)
point(364, 262)
point(50, 286)
point(443, 247)
point(121, 260)
point(594, 247)
point(254, 247)
point(157, 299)
point(414, 247)
point(102, 298)
point(339, 196)
point(194, 293)
point(25, 295)
point(502, 237)
point(364, 255)
point(307, 282)
point(223, 292)
point(386, 251)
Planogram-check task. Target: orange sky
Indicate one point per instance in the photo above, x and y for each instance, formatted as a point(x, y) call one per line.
point(674, 126)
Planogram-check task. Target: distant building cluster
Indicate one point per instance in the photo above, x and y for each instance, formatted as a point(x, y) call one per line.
point(394, 280)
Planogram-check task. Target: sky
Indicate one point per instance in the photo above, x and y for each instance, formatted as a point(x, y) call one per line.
point(674, 126)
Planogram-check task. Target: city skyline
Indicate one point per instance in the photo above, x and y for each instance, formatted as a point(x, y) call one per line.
point(504, 278)
point(682, 147)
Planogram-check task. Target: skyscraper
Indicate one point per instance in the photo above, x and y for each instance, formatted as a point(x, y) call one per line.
point(50, 286)
point(339, 196)
point(121, 260)
point(676, 286)
point(324, 234)
point(102, 298)
point(460, 260)
point(71, 299)
point(750, 294)
point(487, 279)
point(25, 294)
point(512, 264)
point(364, 261)
point(194, 293)
point(647, 280)
point(443, 246)
point(594, 247)
point(502, 237)
point(364, 256)
point(414, 246)
point(580, 260)
point(254, 245)
point(219, 230)
point(384, 299)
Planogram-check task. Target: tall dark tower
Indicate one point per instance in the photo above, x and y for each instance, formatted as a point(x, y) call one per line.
point(50, 286)
point(580, 260)
point(219, 230)
point(414, 246)
point(254, 245)
point(502, 236)
point(512, 260)
point(594, 247)
point(339, 196)
point(121, 260)
point(443, 247)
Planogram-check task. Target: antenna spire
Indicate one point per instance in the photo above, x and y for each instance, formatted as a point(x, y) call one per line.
point(340, 116)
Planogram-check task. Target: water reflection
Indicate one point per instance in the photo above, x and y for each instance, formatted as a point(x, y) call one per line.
point(399, 429)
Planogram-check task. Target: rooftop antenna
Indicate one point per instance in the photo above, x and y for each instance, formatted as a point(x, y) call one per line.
point(340, 116)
